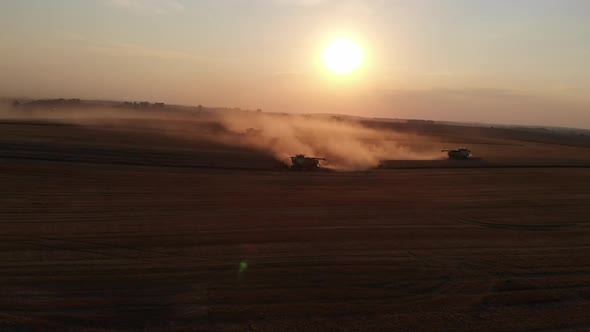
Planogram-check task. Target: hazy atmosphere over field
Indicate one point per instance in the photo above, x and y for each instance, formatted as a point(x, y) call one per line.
point(522, 62)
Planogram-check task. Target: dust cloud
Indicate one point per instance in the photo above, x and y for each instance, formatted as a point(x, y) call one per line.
point(346, 143)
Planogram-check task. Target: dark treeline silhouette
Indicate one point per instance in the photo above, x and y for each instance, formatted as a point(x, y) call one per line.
point(143, 105)
point(61, 102)
point(49, 102)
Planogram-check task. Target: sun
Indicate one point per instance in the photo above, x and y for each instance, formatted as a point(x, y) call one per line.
point(343, 56)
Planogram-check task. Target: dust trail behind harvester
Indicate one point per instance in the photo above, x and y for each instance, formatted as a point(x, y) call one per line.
point(347, 144)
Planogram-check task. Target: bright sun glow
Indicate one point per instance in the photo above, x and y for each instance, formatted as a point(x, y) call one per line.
point(343, 56)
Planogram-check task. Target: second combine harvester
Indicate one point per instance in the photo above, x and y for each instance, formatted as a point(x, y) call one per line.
point(458, 153)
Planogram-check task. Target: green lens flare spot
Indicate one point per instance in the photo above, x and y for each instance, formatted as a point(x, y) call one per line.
point(243, 266)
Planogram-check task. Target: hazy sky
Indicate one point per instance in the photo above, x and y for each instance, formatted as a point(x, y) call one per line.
point(519, 61)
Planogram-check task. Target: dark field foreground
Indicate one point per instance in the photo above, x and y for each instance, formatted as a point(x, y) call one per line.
point(102, 244)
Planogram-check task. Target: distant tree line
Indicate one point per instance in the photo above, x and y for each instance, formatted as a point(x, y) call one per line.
point(49, 102)
point(143, 105)
point(420, 122)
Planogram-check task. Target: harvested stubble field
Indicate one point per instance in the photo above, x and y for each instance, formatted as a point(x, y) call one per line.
point(108, 229)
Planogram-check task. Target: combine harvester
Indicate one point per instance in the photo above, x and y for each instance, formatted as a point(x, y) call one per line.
point(302, 163)
point(458, 153)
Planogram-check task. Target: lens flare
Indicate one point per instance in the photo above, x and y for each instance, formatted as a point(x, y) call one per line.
point(243, 266)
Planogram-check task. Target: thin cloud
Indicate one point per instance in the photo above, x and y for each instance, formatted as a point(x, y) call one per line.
point(288, 74)
point(133, 50)
point(157, 7)
point(298, 2)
